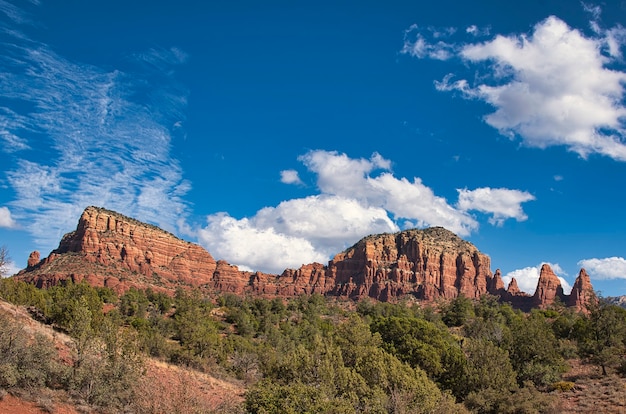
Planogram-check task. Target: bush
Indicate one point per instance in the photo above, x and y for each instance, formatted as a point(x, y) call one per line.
point(562, 386)
point(26, 361)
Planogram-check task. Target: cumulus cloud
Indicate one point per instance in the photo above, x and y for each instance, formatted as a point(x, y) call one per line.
point(553, 87)
point(290, 177)
point(5, 218)
point(528, 277)
point(502, 203)
point(357, 197)
point(294, 233)
point(106, 134)
point(603, 269)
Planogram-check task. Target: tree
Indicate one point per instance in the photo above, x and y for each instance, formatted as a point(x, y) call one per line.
point(602, 335)
point(534, 350)
point(458, 311)
point(5, 259)
point(425, 345)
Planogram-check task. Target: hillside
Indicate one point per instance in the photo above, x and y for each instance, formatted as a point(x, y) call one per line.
point(144, 352)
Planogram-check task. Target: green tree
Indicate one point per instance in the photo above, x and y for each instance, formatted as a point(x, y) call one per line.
point(488, 367)
point(423, 344)
point(22, 293)
point(457, 311)
point(602, 335)
point(534, 350)
point(134, 303)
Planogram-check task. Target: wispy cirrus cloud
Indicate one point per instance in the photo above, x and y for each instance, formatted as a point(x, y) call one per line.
point(357, 197)
point(552, 87)
point(78, 134)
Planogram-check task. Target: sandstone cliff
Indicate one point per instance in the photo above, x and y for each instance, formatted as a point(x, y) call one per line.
point(429, 264)
point(109, 249)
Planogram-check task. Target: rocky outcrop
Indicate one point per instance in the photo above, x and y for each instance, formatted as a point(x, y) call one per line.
point(513, 288)
point(428, 264)
point(548, 288)
point(33, 259)
point(582, 294)
point(109, 249)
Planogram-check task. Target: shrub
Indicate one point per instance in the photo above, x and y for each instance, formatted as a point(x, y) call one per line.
point(562, 386)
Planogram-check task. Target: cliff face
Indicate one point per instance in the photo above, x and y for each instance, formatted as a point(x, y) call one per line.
point(109, 249)
point(429, 264)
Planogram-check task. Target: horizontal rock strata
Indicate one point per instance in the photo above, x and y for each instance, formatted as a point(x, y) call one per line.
point(110, 249)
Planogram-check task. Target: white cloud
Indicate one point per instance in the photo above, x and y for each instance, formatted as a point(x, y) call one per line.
point(477, 31)
point(106, 141)
point(294, 233)
point(357, 198)
point(5, 218)
point(241, 242)
point(417, 45)
point(528, 277)
point(501, 203)
point(603, 269)
point(11, 268)
point(290, 177)
point(353, 179)
point(553, 87)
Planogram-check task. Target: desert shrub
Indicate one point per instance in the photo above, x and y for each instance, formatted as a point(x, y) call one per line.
point(26, 361)
point(108, 368)
point(22, 293)
point(521, 400)
point(562, 386)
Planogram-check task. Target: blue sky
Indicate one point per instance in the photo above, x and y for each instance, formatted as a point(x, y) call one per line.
point(279, 133)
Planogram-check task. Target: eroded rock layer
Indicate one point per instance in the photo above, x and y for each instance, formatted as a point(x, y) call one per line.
point(109, 249)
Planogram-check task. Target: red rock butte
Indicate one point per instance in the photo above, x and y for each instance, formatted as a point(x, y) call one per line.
point(112, 250)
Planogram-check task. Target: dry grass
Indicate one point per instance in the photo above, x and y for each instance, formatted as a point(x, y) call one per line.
point(165, 388)
point(593, 392)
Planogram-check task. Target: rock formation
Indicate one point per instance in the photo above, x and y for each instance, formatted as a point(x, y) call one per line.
point(429, 264)
point(109, 249)
point(582, 292)
point(548, 288)
point(33, 259)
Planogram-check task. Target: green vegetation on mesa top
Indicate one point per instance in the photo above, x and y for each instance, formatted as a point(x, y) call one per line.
point(315, 355)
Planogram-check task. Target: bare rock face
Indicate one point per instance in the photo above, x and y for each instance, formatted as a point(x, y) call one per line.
point(582, 292)
point(109, 249)
point(429, 264)
point(548, 288)
point(497, 284)
point(513, 288)
point(33, 259)
point(112, 250)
